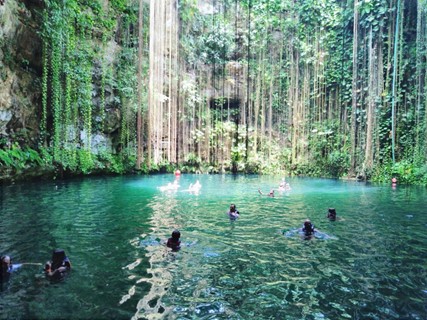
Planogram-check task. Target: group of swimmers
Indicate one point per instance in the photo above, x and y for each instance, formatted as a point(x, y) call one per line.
point(174, 241)
point(193, 187)
point(54, 269)
point(283, 186)
point(308, 229)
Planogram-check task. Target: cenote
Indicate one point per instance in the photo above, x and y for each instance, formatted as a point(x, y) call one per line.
point(113, 229)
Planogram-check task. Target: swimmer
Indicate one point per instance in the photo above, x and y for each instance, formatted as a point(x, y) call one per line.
point(7, 268)
point(332, 214)
point(173, 242)
point(58, 266)
point(270, 194)
point(5, 265)
point(170, 186)
point(308, 228)
point(233, 214)
point(393, 183)
point(307, 232)
point(177, 173)
point(195, 187)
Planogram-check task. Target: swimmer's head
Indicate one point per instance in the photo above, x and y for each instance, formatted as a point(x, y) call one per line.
point(176, 234)
point(5, 262)
point(232, 207)
point(307, 224)
point(48, 267)
point(332, 213)
point(58, 257)
point(5, 259)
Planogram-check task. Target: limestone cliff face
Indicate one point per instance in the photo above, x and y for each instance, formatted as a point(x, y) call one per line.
point(21, 74)
point(20, 71)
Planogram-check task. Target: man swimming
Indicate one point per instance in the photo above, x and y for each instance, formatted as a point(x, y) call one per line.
point(332, 214)
point(233, 213)
point(174, 242)
point(270, 194)
point(7, 268)
point(308, 228)
point(58, 266)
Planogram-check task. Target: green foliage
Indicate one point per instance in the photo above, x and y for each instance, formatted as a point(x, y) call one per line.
point(210, 41)
point(254, 166)
point(192, 163)
point(216, 45)
point(337, 164)
point(373, 14)
point(405, 171)
point(306, 169)
point(69, 33)
point(86, 163)
point(110, 163)
point(165, 167)
point(188, 9)
point(43, 122)
point(16, 158)
point(237, 156)
point(69, 160)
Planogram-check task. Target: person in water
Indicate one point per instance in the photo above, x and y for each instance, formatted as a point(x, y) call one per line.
point(58, 266)
point(233, 213)
point(393, 182)
point(195, 187)
point(173, 242)
point(7, 268)
point(270, 194)
point(332, 214)
point(308, 228)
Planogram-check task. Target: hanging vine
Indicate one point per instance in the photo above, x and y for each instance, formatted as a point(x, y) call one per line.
point(45, 74)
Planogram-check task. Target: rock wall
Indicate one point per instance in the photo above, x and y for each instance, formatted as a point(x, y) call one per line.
point(20, 71)
point(21, 74)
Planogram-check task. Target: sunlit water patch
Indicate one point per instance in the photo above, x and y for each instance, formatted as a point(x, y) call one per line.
point(369, 264)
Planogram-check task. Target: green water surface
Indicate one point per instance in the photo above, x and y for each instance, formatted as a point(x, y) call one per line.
point(372, 263)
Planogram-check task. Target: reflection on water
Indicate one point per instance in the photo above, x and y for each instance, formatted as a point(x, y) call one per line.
point(369, 265)
point(150, 306)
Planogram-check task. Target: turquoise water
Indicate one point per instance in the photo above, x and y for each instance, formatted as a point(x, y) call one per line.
point(113, 229)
